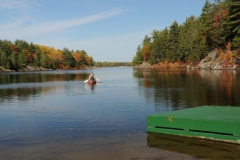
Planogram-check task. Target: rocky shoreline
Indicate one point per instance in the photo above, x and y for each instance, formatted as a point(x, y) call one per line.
point(212, 61)
point(35, 68)
point(27, 68)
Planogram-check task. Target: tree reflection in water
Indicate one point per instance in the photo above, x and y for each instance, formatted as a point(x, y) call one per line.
point(181, 88)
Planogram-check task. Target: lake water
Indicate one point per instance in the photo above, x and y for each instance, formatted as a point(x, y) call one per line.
point(54, 115)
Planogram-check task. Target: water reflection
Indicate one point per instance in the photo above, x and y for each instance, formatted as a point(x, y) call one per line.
point(26, 85)
point(40, 77)
point(194, 147)
point(55, 115)
point(181, 88)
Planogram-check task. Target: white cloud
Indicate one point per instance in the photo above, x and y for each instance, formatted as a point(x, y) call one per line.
point(17, 4)
point(109, 48)
point(20, 29)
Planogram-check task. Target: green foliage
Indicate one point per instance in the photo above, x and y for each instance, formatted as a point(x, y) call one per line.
point(91, 62)
point(112, 64)
point(232, 23)
point(173, 42)
point(68, 59)
point(191, 41)
point(3, 59)
point(138, 58)
point(21, 45)
point(44, 61)
point(83, 59)
point(54, 64)
point(22, 59)
point(37, 56)
point(20, 54)
point(14, 61)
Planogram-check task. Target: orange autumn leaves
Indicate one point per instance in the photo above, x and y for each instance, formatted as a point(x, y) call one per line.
point(226, 55)
point(146, 52)
point(81, 57)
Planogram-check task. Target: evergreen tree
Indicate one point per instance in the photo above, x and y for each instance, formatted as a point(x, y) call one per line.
point(173, 42)
point(181, 44)
point(21, 45)
point(68, 59)
point(155, 47)
point(206, 19)
point(220, 11)
point(233, 23)
point(164, 36)
point(146, 40)
point(138, 58)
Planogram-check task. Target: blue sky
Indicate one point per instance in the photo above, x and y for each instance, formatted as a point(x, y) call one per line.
point(108, 30)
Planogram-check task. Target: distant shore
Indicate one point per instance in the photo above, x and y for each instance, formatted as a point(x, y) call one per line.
point(36, 68)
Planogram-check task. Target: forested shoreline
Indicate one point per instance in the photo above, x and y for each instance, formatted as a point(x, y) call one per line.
point(112, 64)
point(23, 56)
point(217, 28)
point(19, 55)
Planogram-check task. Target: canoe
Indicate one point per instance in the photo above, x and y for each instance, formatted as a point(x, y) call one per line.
point(91, 82)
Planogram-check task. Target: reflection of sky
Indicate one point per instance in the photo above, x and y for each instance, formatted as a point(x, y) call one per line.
point(68, 109)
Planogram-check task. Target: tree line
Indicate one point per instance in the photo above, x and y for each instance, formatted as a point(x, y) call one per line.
point(112, 64)
point(218, 26)
point(17, 55)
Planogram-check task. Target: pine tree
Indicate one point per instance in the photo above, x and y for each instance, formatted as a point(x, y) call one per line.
point(138, 58)
point(173, 42)
point(233, 23)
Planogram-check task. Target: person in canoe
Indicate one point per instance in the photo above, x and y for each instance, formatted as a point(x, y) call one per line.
point(91, 79)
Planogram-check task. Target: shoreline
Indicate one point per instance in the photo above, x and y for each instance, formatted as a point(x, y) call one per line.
point(146, 65)
point(213, 61)
point(35, 68)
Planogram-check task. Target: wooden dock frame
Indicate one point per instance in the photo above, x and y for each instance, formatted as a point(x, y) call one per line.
point(220, 123)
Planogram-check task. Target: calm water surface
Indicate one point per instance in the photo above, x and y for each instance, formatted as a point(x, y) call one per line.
point(54, 115)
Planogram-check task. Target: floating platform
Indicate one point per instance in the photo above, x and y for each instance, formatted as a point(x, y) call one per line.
point(218, 123)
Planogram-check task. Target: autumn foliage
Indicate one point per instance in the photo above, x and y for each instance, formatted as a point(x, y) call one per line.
point(19, 54)
point(146, 52)
point(226, 55)
point(195, 38)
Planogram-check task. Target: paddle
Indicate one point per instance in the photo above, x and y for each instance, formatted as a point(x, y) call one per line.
point(98, 80)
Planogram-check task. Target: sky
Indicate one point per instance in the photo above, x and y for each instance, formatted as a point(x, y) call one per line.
point(108, 30)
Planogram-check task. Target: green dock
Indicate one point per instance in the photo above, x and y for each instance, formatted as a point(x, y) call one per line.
point(220, 123)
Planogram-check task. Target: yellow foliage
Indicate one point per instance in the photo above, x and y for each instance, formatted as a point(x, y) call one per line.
point(52, 52)
point(88, 59)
